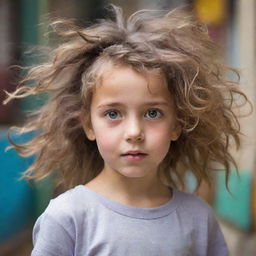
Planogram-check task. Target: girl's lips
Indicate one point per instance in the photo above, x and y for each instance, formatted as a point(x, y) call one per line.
point(134, 152)
point(134, 157)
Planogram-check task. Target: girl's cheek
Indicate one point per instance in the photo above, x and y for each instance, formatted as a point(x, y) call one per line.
point(160, 132)
point(105, 142)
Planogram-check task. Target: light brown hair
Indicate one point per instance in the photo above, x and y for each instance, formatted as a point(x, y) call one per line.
point(174, 42)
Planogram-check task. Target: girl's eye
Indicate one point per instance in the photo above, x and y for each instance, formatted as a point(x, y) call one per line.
point(153, 113)
point(112, 114)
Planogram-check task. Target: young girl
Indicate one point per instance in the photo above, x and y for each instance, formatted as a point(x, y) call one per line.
point(133, 105)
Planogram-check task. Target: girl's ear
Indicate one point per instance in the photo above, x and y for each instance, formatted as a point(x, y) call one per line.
point(87, 127)
point(89, 133)
point(176, 132)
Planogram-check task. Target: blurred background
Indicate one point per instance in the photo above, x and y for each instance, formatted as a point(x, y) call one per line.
point(231, 23)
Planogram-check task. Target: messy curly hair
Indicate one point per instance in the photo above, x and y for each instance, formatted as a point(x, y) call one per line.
point(174, 42)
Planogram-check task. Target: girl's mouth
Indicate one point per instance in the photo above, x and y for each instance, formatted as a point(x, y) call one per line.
point(134, 156)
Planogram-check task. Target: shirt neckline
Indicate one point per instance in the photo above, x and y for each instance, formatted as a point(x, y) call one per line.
point(132, 211)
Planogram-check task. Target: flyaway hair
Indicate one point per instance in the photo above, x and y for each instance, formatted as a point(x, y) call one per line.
point(174, 42)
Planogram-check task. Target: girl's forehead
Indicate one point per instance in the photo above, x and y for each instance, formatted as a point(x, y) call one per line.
point(125, 74)
point(124, 81)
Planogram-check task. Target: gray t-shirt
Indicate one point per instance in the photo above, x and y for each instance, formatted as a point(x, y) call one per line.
point(81, 222)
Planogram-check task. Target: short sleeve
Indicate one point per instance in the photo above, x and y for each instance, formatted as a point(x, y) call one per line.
point(216, 242)
point(51, 236)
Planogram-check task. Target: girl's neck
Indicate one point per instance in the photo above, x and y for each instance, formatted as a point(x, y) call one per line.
point(138, 192)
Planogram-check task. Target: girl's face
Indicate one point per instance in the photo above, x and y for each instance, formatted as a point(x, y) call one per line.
point(133, 121)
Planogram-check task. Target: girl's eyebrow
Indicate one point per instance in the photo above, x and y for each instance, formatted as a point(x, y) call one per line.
point(119, 104)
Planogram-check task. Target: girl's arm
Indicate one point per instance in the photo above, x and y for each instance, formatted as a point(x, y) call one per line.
point(52, 235)
point(216, 241)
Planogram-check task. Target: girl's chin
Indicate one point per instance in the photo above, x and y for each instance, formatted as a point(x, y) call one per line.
point(134, 174)
point(130, 172)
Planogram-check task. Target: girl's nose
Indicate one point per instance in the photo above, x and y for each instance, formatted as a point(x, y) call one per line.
point(134, 131)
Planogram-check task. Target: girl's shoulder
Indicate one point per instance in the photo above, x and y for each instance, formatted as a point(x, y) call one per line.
point(70, 203)
point(193, 205)
point(61, 220)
